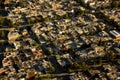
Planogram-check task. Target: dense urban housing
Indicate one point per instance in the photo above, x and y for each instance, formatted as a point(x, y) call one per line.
point(59, 39)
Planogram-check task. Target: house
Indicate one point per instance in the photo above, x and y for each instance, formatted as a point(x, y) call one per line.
point(24, 32)
point(103, 34)
point(117, 51)
point(79, 30)
point(61, 62)
point(17, 44)
point(78, 76)
point(2, 71)
point(13, 35)
point(111, 76)
point(30, 74)
point(87, 1)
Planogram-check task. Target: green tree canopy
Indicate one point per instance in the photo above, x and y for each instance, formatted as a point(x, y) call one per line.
point(2, 2)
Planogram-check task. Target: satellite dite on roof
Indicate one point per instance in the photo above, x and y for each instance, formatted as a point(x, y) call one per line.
point(115, 34)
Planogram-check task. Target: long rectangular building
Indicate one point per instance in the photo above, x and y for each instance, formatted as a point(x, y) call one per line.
point(115, 34)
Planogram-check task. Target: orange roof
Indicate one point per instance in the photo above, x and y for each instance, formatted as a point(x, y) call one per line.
point(2, 71)
point(30, 75)
point(117, 38)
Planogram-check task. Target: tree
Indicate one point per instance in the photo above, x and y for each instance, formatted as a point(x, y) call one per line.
point(2, 34)
point(84, 66)
point(21, 3)
point(76, 65)
point(1, 20)
point(66, 16)
point(2, 2)
point(6, 22)
point(115, 4)
point(70, 70)
point(51, 69)
point(82, 3)
point(100, 61)
point(82, 12)
point(110, 56)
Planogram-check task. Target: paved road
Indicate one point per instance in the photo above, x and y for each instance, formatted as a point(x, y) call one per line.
point(57, 75)
point(9, 29)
